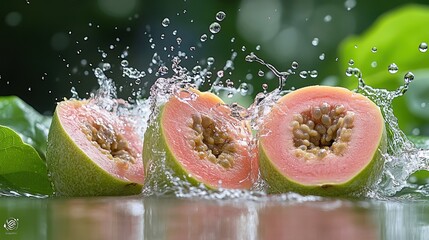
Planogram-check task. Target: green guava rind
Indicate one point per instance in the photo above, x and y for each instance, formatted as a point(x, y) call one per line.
point(355, 187)
point(73, 173)
point(162, 162)
point(159, 158)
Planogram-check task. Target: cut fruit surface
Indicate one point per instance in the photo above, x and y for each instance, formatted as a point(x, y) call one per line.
point(322, 140)
point(92, 151)
point(201, 142)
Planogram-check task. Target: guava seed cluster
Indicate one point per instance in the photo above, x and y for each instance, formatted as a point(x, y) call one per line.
point(111, 143)
point(322, 130)
point(211, 142)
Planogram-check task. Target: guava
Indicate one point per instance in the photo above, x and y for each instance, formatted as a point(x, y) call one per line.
point(322, 140)
point(196, 139)
point(92, 151)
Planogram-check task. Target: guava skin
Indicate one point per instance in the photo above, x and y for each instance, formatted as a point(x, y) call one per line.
point(74, 173)
point(170, 162)
point(355, 187)
point(283, 171)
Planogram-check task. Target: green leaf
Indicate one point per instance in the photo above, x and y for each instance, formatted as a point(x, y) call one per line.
point(21, 168)
point(27, 122)
point(396, 35)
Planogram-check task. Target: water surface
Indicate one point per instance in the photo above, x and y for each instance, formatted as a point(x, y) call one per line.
point(286, 216)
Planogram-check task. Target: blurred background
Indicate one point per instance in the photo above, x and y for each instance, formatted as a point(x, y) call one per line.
point(49, 49)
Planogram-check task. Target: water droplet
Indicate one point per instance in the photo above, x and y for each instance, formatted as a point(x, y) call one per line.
point(353, 72)
point(229, 83)
point(230, 94)
point(349, 4)
point(210, 61)
point(203, 38)
point(196, 69)
point(374, 49)
point(232, 39)
point(220, 73)
point(408, 77)
point(244, 88)
point(163, 70)
point(415, 131)
point(214, 27)
point(374, 64)
point(179, 41)
point(314, 73)
point(258, 47)
point(99, 73)
point(220, 16)
point(315, 41)
point(265, 87)
point(85, 38)
point(165, 22)
point(322, 56)
point(294, 65)
point(243, 48)
point(209, 74)
point(327, 18)
point(175, 32)
point(124, 63)
point(303, 74)
point(261, 73)
point(106, 66)
point(393, 68)
point(250, 57)
point(423, 47)
point(351, 62)
point(112, 47)
point(192, 48)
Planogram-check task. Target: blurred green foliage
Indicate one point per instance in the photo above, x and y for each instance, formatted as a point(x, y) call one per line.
point(32, 127)
point(395, 38)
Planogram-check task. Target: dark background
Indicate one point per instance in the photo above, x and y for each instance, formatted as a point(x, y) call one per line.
point(44, 53)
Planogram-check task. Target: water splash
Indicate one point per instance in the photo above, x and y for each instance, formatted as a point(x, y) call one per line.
point(402, 158)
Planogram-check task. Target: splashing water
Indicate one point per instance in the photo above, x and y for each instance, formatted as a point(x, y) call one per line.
point(401, 160)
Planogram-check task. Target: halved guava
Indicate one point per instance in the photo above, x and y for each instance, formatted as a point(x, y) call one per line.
point(92, 151)
point(197, 139)
point(322, 140)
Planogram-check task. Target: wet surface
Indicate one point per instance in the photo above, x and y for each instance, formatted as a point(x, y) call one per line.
point(172, 218)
